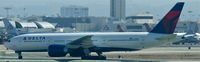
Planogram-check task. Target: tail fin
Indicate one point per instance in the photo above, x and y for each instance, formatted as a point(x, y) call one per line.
point(148, 27)
point(9, 27)
point(168, 24)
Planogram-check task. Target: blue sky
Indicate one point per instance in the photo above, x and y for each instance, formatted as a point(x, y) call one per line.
point(99, 7)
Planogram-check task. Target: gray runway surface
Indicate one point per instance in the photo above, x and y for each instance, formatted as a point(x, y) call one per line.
point(158, 54)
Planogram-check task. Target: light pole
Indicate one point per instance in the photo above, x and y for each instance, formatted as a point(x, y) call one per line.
point(7, 11)
point(190, 15)
point(24, 12)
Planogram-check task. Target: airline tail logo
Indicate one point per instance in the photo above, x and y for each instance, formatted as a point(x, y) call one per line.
point(120, 28)
point(148, 27)
point(170, 21)
point(168, 24)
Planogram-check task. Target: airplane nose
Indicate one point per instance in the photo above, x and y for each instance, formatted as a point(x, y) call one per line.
point(8, 45)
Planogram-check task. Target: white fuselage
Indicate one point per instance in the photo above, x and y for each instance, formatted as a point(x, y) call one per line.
point(130, 40)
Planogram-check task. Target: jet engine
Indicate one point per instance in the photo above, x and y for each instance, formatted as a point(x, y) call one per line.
point(57, 50)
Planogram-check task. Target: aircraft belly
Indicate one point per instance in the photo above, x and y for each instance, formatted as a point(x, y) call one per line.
point(33, 46)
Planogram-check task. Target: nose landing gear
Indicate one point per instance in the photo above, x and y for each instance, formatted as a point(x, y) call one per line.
point(19, 54)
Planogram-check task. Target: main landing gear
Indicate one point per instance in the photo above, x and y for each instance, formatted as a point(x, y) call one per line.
point(87, 56)
point(19, 54)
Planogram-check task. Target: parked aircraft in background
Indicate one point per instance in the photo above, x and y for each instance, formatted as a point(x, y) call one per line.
point(148, 27)
point(82, 44)
point(190, 35)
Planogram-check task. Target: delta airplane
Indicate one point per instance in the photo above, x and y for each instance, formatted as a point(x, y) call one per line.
point(82, 44)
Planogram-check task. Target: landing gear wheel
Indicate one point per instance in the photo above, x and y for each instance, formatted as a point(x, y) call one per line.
point(93, 57)
point(19, 54)
point(20, 57)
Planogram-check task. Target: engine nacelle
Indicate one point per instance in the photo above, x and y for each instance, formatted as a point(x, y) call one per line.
point(57, 50)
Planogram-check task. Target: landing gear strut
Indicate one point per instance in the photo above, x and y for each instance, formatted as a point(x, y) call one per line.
point(87, 55)
point(19, 54)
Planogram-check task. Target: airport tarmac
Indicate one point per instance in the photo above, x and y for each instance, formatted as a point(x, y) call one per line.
point(157, 54)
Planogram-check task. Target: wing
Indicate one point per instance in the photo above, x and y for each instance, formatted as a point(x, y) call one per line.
point(84, 42)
